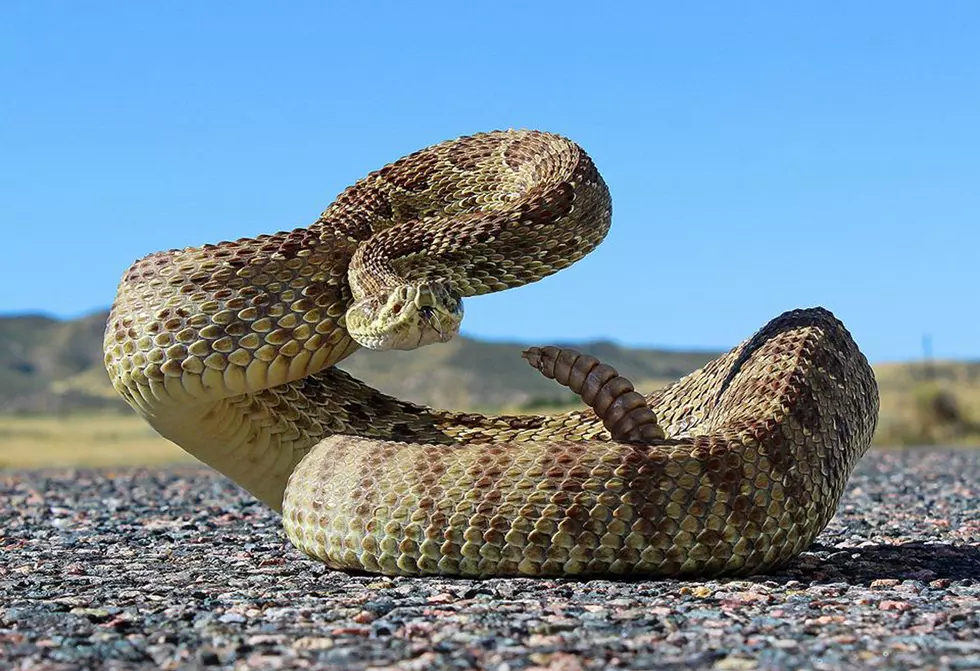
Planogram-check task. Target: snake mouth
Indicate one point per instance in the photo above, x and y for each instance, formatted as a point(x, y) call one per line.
point(443, 323)
point(427, 315)
point(439, 311)
point(410, 317)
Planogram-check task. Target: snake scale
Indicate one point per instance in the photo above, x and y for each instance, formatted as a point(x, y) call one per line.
point(229, 350)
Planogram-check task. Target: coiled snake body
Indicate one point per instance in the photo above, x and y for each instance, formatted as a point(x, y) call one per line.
point(228, 350)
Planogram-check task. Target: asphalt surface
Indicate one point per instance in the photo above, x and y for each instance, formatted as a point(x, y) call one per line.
point(179, 569)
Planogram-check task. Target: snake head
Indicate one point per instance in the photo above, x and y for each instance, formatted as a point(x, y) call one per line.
point(407, 317)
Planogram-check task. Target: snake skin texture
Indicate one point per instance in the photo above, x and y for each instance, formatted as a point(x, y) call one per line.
point(229, 350)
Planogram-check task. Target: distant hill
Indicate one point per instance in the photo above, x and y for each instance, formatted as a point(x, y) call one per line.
point(50, 366)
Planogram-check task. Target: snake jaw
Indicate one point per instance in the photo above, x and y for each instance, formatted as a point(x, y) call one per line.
point(411, 316)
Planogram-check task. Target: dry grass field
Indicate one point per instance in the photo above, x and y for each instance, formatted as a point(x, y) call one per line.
point(920, 405)
point(83, 440)
point(929, 403)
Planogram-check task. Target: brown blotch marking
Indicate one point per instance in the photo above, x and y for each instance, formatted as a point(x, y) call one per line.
point(555, 205)
point(563, 467)
point(485, 230)
point(519, 150)
point(529, 422)
point(805, 407)
point(427, 468)
point(585, 171)
point(490, 468)
point(361, 205)
point(469, 419)
point(396, 242)
point(716, 458)
point(367, 492)
point(412, 173)
point(404, 432)
point(468, 153)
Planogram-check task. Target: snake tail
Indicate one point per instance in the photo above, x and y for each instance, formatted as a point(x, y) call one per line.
point(623, 411)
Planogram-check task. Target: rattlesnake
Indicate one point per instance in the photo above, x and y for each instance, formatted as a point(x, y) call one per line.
point(229, 351)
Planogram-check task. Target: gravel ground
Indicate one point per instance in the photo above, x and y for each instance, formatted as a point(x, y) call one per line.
point(178, 569)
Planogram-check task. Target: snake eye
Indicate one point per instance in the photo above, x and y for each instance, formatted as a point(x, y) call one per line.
point(427, 312)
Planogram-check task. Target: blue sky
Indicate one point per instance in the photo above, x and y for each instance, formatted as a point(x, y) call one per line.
point(761, 156)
